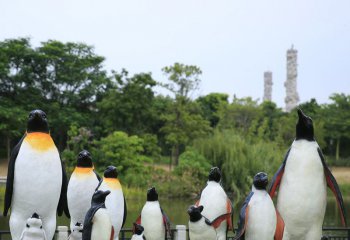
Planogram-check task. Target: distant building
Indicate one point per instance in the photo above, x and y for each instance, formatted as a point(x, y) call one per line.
point(292, 96)
point(267, 86)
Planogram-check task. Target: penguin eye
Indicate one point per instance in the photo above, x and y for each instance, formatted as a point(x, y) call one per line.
point(30, 115)
point(43, 116)
point(27, 225)
point(41, 227)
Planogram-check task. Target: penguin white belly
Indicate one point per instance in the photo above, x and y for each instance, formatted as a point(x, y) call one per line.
point(137, 237)
point(101, 225)
point(35, 234)
point(81, 187)
point(115, 207)
point(152, 221)
point(200, 230)
point(214, 201)
point(302, 194)
point(262, 220)
point(37, 187)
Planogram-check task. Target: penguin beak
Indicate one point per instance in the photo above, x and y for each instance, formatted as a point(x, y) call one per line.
point(35, 215)
point(301, 115)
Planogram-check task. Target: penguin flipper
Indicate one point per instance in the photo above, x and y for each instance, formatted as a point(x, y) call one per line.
point(125, 212)
point(11, 175)
point(98, 177)
point(166, 223)
point(243, 218)
point(333, 185)
point(230, 217)
point(276, 180)
point(217, 221)
point(63, 203)
point(87, 226)
point(279, 227)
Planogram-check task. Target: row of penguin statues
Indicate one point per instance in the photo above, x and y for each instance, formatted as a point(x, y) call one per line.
point(37, 189)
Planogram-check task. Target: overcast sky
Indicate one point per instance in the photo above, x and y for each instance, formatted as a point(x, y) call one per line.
point(233, 42)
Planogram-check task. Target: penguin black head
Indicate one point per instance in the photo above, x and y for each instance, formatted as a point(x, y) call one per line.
point(37, 122)
point(260, 181)
point(78, 227)
point(304, 127)
point(214, 174)
point(99, 197)
point(152, 194)
point(84, 159)
point(34, 221)
point(138, 229)
point(110, 172)
point(195, 213)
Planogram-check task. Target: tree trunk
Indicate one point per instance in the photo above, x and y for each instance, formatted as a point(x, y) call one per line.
point(176, 154)
point(337, 150)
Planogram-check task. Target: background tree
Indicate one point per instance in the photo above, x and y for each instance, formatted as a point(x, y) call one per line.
point(183, 122)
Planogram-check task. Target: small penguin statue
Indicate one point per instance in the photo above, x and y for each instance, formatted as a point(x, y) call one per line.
point(34, 229)
point(138, 232)
point(76, 232)
point(259, 220)
point(216, 203)
point(115, 201)
point(153, 218)
point(201, 227)
point(97, 223)
point(81, 187)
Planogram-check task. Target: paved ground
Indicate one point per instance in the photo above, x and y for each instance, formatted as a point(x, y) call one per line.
point(342, 174)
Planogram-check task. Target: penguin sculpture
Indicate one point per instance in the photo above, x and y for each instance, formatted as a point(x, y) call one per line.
point(34, 229)
point(115, 201)
point(76, 232)
point(97, 224)
point(216, 203)
point(81, 187)
point(201, 227)
point(258, 219)
point(302, 179)
point(138, 232)
point(36, 179)
point(153, 218)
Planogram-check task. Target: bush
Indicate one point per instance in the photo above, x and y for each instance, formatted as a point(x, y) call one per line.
point(126, 153)
point(239, 159)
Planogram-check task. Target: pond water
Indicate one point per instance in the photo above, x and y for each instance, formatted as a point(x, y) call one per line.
point(176, 209)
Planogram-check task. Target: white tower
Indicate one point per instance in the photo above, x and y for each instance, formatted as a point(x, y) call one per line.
point(292, 96)
point(267, 86)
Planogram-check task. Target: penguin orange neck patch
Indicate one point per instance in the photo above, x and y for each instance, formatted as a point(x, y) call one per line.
point(39, 141)
point(82, 170)
point(113, 183)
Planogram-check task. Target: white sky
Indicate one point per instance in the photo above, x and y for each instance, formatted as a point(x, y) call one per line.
point(233, 42)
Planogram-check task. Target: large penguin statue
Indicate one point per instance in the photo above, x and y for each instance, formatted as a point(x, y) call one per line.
point(201, 227)
point(303, 179)
point(81, 187)
point(97, 223)
point(153, 218)
point(115, 201)
point(216, 203)
point(36, 179)
point(138, 232)
point(34, 229)
point(258, 219)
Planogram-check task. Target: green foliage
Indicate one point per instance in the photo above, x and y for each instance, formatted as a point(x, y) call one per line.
point(127, 154)
point(78, 139)
point(128, 104)
point(213, 107)
point(239, 159)
point(193, 168)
